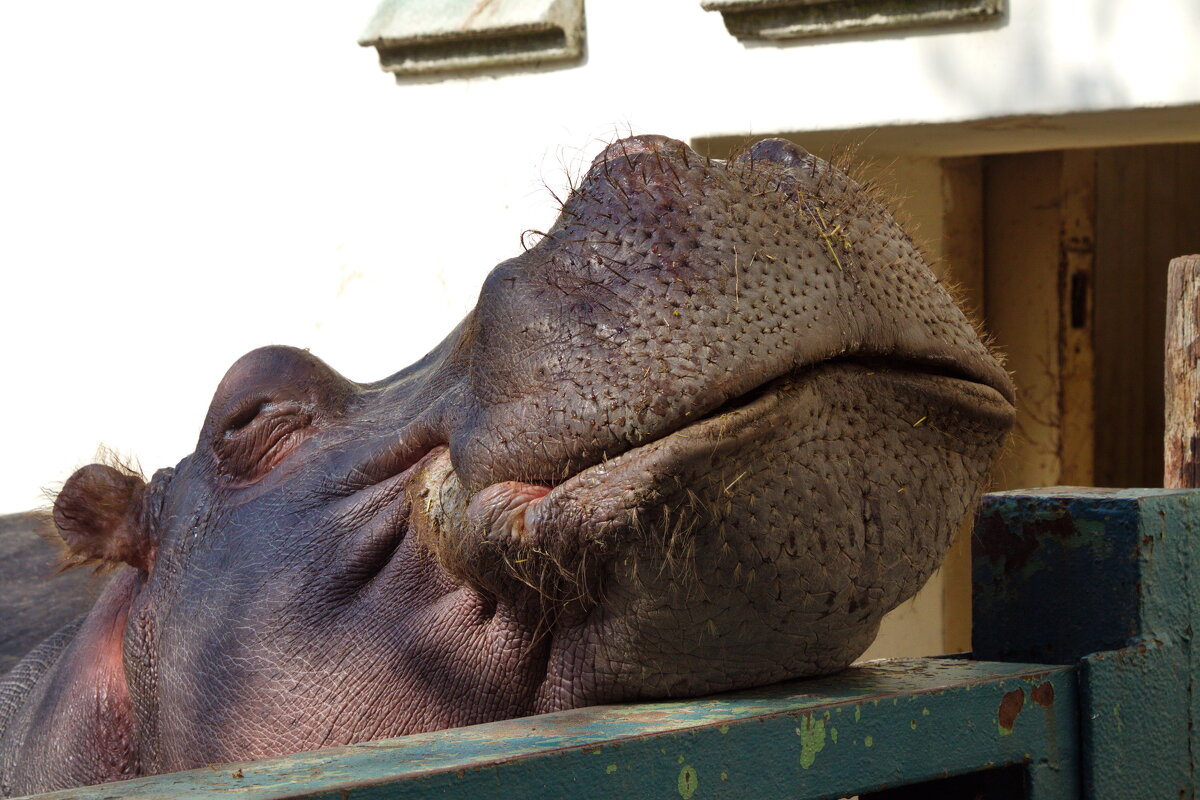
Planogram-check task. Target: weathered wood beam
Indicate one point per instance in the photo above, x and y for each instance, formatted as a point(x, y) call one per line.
point(1181, 452)
point(877, 725)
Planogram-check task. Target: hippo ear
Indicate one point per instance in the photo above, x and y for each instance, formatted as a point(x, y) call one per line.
point(99, 516)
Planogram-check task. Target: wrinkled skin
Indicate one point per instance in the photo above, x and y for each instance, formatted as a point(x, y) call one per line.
point(702, 436)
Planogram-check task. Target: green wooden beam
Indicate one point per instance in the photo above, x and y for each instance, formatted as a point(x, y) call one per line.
point(1101, 577)
point(877, 725)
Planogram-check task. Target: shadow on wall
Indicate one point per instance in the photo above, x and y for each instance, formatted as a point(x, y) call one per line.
point(1049, 64)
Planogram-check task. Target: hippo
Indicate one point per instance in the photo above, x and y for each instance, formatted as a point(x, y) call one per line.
point(33, 607)
point(702, 435)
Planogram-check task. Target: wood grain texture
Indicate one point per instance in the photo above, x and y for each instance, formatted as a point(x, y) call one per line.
point(870, 727)
point(962, 255)
point(1181, 443)
point(1148, 212)
point(1022, 230)
point(1076, 287)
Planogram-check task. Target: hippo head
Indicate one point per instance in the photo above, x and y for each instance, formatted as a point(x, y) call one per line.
point(703, 435)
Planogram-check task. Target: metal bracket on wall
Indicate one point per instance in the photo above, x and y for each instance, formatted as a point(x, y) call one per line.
point(417, 38)
point(775, 20)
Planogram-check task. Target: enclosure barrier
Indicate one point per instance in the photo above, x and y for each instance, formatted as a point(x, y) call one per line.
point(1080, 686)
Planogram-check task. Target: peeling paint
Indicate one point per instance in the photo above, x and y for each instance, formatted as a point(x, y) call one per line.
point(729, 730)
point(812, 740)
point(1010, 707)
point(687, 783)
point(1043, 694)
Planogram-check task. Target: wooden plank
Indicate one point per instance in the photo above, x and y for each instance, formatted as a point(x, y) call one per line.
point(876, 725)
point(1147, 213)
point(1076, 287)
point(1181, 467)
point(962, 253)
point(1022, 231)
point(784, 20)
point(1162, 193)
point(1037, 214)
point(1187, 201)
point(1121, 380)
point(418, 38)
point(962, 230)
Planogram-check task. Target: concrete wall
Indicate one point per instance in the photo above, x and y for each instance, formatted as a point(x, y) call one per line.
point(183, 183)
point(180, 184)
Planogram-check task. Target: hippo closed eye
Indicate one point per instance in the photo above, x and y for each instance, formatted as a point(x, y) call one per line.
point(703, 435)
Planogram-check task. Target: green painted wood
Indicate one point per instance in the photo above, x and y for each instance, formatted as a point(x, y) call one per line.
point(1101, 577)
point(1135, 723)
point(874, 726)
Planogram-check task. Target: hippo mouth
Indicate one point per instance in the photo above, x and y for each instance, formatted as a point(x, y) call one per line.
point(516, 512)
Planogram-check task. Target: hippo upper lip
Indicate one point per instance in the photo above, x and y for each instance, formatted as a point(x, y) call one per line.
point(407, 451)
point(732, 420)
point(990, 375)
point(996, 380)
point(930, 368)
point(945, 368)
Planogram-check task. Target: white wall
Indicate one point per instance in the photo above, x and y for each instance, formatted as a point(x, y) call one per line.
point(182, 183)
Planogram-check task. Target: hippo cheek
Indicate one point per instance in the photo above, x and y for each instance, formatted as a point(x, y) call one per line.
point(316, 634)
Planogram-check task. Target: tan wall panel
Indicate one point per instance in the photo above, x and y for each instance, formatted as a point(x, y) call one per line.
point(962, 255)
point(1021, 290)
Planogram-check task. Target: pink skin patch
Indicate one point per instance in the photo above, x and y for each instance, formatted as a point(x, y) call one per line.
point(499, 510)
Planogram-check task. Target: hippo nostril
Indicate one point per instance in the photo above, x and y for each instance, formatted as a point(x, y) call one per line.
point(781, 151)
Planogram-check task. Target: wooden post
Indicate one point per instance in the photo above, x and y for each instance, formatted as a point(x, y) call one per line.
point(1181, 451)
